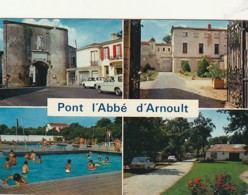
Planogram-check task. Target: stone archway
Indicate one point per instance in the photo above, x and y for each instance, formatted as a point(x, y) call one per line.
point(41, 73)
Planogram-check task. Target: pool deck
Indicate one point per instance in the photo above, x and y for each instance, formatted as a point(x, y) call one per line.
point(107, 183)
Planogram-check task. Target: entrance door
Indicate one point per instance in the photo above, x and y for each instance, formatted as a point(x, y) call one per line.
point(83, 76)
point(166, 66)
point(41, 73)
point(234, 156)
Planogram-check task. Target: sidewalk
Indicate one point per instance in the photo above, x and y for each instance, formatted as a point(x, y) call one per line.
point(157, 181)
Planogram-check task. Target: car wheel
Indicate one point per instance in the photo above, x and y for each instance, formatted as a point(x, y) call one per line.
point(84, 85)
point(99, 89)
point(95, 86)
point(117, 91)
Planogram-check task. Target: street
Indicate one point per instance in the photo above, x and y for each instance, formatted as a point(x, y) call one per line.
point(37, 96)
point(169, 85)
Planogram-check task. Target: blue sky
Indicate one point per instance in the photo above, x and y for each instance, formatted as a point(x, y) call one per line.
point(160, 28)
point(87, 31)
point(34, 117)
point(82, 31)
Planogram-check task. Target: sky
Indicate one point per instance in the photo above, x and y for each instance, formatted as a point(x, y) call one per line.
point(81, 32)
point(34, 117)
point(160, 28)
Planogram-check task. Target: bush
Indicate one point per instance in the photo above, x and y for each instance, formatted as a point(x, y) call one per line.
point(186, 67)
point(202, 68)
point(147, 67)
point(216, 72)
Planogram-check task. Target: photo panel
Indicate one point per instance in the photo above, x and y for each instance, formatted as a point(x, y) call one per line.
point(202, 155)
point(72, 153)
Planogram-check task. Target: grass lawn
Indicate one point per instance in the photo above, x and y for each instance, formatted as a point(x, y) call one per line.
point(208, 170)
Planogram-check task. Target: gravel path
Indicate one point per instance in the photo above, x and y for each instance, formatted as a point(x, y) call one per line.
point(157, 181)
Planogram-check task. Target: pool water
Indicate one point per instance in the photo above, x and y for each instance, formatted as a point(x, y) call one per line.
point(34, 146)
point(52, 167)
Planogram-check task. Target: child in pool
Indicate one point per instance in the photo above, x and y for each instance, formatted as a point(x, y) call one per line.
point(106, 161)
point(7, 163)
point(39, 159)
point(13, 160)
point(18, 179)
point(68, 166)
point(25, 168)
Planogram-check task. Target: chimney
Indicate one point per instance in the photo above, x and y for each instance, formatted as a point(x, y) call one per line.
point(209, 26)
point(114, 36)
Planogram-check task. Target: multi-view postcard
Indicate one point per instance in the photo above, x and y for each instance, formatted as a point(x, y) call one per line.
point(131, 59)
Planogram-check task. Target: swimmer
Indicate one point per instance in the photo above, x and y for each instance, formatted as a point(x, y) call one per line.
point(106, 161)
point(25, 168)
point(13, 160)
point(39, 159)
point(27, 156)
point(32, 155)
point(18, 179)
point(88, 155)
point(68, 166)
point(11, 154)
point(92, 167)
point(7, 163)
point(90, 163)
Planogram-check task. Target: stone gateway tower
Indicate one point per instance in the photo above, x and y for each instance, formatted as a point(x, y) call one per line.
point(34, 55)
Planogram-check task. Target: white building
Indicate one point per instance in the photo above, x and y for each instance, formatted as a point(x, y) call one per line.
point(192, 44)
point(99, 59)
point(157, 55)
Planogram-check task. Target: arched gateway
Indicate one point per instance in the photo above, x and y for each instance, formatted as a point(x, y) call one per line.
point(38, 74)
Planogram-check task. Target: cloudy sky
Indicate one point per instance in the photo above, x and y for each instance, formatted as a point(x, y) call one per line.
point(80, 31)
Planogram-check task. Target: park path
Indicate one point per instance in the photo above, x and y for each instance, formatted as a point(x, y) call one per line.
point(158, 181)
point(244, 176)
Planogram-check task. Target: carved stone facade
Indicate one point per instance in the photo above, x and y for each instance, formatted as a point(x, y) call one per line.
point(35, 55)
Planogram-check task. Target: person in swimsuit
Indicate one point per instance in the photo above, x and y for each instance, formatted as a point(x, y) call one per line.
point(13, 160)
point(18, 179)
point(7, 163)
point(25, 168)
point(39, 159)
point(68, 166)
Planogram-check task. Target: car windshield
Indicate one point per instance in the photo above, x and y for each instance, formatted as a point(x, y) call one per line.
point(138, 159)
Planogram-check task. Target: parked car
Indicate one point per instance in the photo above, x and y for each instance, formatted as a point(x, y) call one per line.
point(172, 159)
point(111, 84)
point(92, 81)
point(143, 163)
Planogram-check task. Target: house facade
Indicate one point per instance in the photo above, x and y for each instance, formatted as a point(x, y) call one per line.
point(192, 44)
point(34, 55)
point(99, 59)
point(226, 152)
point(157, 55)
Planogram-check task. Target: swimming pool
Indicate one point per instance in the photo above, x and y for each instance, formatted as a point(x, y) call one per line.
point(52, 167)
point(38, 145)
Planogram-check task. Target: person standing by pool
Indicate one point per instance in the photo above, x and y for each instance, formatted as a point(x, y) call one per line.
point(18, 179)
point(25, 168)
point(68, 166)
point(7, 163)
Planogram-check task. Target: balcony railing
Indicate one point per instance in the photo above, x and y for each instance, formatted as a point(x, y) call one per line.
point(118, 57)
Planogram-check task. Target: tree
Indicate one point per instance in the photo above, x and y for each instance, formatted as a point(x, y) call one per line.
point(218, 140)
point(202, 67)
point(238, 122)
point(176, 131)
point(200, 132)
point(167, 39)
point(142, 137)
point(119, 34)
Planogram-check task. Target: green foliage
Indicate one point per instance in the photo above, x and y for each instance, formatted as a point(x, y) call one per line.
point(167, 39)
point(209, 170)
point(147, 68)
point(216, 72)
point(202, 68)
point(186, 67)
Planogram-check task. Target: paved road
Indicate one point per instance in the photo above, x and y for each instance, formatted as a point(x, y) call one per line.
point(157, 181)
point(37, 96)
point(168, 85)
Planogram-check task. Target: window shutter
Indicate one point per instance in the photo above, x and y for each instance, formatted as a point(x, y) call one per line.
point(101, 54)
point(108, 53)
point(120, 50)
point(114, 51)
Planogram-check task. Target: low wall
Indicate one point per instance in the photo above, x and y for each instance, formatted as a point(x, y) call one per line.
point(27, 138)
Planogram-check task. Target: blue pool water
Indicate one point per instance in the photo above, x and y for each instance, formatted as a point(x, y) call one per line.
point(52, 167)
point(34, 146)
